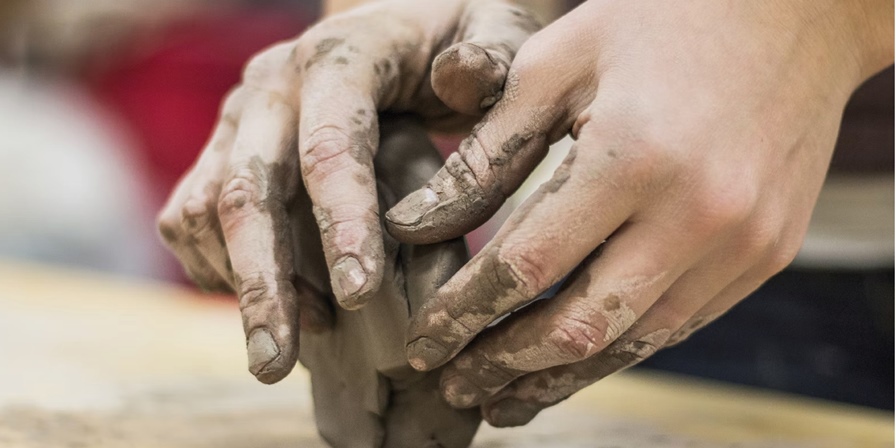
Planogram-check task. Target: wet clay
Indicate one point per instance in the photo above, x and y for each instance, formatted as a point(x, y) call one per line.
point(365, 393)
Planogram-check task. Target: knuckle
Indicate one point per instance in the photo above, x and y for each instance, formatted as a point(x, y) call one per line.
point(329, 149)
point(232, 103)
point(721, 205)
point(264, 66)
point(640, 152)
point(522, 271)
point(253, 290)
point(196, 214)
point(328, 43)
point(651, 160)
point(347, 225)
point(257, 70)
point(460, 166)
point(576, 339)
point(243, 187)
point(757, 237)
point(169, 228)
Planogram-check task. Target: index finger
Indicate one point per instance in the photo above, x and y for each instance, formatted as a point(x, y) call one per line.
point(347, 78)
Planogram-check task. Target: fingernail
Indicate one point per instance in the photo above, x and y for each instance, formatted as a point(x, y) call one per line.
point(425, 354)
point(511, 412)
point(262, 350)
point(460, 392)
point(348, 279)
point(410, 210)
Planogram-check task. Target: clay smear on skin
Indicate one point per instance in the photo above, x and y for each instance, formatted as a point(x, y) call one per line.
point(692, 325)
point(452, 330)
point(615, 309)
point(645, 346)
point(553, 388)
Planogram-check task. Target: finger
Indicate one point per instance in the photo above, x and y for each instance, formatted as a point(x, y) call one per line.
point(542, 241)
point(338, 140)
point(315, 300)
point(684, 307)
point(254, 221)
point(733, 293)
point(598, 303)
point(469, 75)
point(188, 223)
point(183, 244)
point(199, 214)
point(522, 400)
point(338, 132)
point(519, 402)
point(195, 265)
point(488, 166)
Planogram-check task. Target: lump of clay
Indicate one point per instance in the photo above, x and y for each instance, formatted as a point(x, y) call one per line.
point(365, 393)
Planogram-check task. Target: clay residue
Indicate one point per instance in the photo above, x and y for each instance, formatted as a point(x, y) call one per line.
point(467, 78)
point(323, 49)
point(692, 325)
point(643, 347)
point(619, 317)
point(562, 173)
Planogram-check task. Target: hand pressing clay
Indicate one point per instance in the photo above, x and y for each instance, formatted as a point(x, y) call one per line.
point(303, 124)
point(365, 393)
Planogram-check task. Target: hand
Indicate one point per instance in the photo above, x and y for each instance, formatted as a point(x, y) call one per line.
point(306, 111)
point(704, 130)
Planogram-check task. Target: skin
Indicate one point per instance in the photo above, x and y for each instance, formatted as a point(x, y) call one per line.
point(306, 115)
point(365, 393)
point(703, 134)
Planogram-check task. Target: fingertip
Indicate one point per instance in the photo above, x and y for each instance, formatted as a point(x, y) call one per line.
point(469, 78)
point(353, 285)
point(426, 354)
point(267, 362)
point(459, 392)
point(509, 412)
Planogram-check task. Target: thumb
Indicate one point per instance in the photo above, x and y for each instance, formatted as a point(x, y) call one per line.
point(488, 167)
point(469, 75)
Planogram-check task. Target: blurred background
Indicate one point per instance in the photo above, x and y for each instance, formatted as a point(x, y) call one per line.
point(104, 104)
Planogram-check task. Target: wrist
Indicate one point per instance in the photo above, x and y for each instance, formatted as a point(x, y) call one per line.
point(874, 23)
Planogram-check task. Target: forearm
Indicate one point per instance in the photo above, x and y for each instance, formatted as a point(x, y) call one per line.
point(855, 37)
point(873, 20)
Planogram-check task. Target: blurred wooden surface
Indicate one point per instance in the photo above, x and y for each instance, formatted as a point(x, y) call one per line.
point(89, 361)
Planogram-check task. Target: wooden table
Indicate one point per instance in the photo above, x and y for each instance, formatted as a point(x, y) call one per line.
point(91, 361)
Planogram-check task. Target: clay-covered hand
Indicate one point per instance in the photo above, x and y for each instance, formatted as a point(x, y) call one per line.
point(704, 131)
point(306, 111)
